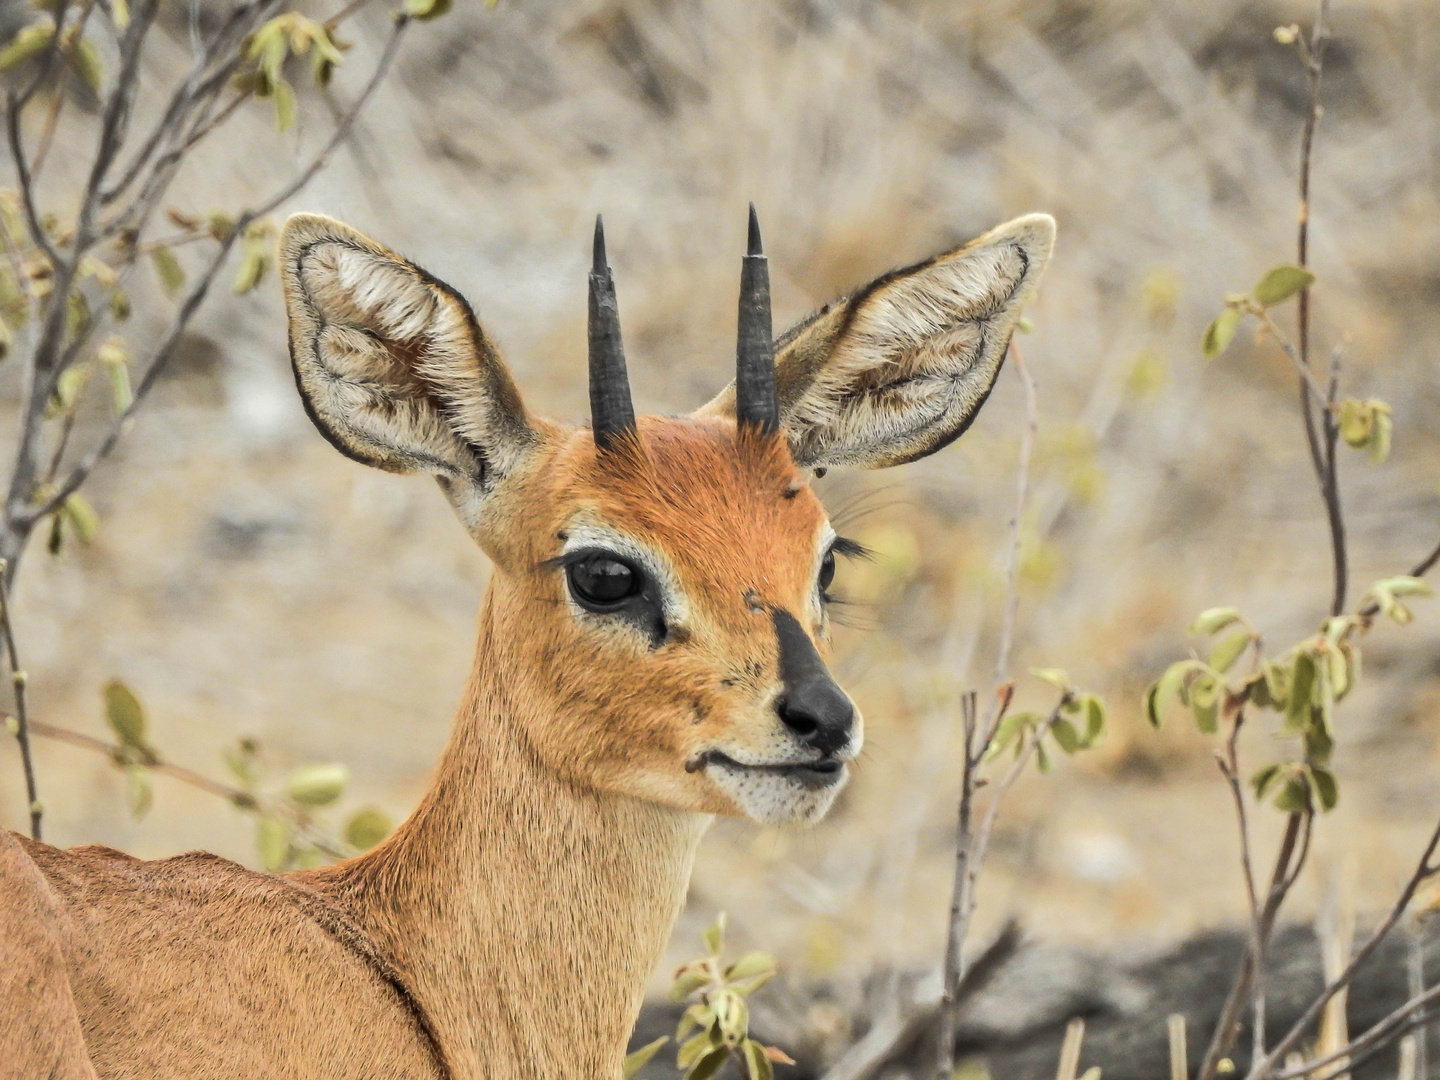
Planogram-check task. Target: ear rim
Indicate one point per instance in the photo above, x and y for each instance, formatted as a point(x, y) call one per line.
point(486, 461)
point(797, 372)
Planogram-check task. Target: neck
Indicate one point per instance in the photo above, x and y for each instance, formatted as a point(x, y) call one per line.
point(526, 913)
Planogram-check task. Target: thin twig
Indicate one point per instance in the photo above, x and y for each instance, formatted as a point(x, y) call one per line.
point(1282, 877)
point(1012, 547)
point(1229, 763)
point(1313, 57)
point(62, 84)
point(1423, 871)
point(237, 797)
point(22, 714)
point(196, 296)
point(1403, 1020)
point(970, 847)
point(1322, 445)
point(1371, 608)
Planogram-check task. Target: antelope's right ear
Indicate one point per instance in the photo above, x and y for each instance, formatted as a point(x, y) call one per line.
point(898, 369)
point(392, 365)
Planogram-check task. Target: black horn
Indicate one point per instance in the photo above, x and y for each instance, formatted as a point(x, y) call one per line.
point(611, 413)
point(755, 399)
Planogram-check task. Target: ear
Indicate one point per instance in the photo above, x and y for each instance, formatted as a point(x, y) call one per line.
point(898, 370)
point(392, 365)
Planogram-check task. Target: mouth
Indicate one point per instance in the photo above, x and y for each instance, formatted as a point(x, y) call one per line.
point(815, 775)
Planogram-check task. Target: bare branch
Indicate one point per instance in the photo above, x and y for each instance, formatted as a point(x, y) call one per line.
point(25, 181)
point(970, 847)
point(21, 727)
point(1423, 871)
point(1012, 550)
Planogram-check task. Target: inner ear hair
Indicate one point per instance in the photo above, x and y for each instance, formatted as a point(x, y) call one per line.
point(899, 369)
point(391, 364)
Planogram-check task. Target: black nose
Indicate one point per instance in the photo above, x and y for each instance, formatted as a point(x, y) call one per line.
point(819, 712)
point(810, 704)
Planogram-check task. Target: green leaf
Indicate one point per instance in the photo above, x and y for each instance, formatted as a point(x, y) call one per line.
point(1221, 332)
point(114, 357)
point(125, 714)
point(638, 1059)
point(1404, 586)
point(750, 965)
point(687, 980)
point(283, 98)
point(1337, 671)
point(1278, 680)
point(1265, 778)
point(697, 1015)
point(1056, 677)
point(119, 304)
point(1302, 690)
point(708, 1065)
point(253, 265)
point(366, 828)
point(168, 270)
point(1042, 759)
point(272, 842)
point(85, 62)
point(138, 793)
point(1356, 421)
point(732, 1014)
point(1294, 793)
point(317, 785)
point(1228, 649)
point(1380, 441)
point(120, 12)
point(1319, 743)
point(756, 1063)
point(68, 388)
point(1203, 692)
point(748, 986)
point(1066, 737)
point(29, 43)
point(696, 1047)
point(1094, 721)
point(1168, 691)
point(1327, 791)
point(1010, 729)
point(1213, 620)
point(1281, 283)
point(714, 937)
point(425, 10)
point(83, 520)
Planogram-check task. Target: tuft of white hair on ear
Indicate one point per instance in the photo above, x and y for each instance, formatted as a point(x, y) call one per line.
point(899, 369)
point(392, 365)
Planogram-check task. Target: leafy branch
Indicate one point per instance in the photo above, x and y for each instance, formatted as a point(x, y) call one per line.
point(715, 1027)
point(288, 833)
point(65, 284)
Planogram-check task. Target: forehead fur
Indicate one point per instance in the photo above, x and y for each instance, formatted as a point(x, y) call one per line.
point(728, 505)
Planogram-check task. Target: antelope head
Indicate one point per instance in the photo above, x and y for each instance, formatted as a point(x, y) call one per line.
point(658, 605)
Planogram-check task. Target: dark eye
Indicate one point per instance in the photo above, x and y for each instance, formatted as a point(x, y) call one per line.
point(827, 570)
point(601, 581)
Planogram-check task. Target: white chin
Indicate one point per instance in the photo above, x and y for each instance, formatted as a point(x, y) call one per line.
point(776, 798)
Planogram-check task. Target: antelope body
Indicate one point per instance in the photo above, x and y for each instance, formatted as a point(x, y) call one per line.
point(649, 655)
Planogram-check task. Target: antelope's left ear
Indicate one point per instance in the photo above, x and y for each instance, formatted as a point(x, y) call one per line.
point(899, 369)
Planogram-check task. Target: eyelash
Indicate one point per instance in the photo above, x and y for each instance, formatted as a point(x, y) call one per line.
point(846, 548)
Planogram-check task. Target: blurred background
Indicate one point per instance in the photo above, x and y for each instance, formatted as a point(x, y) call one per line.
point(248, 581)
